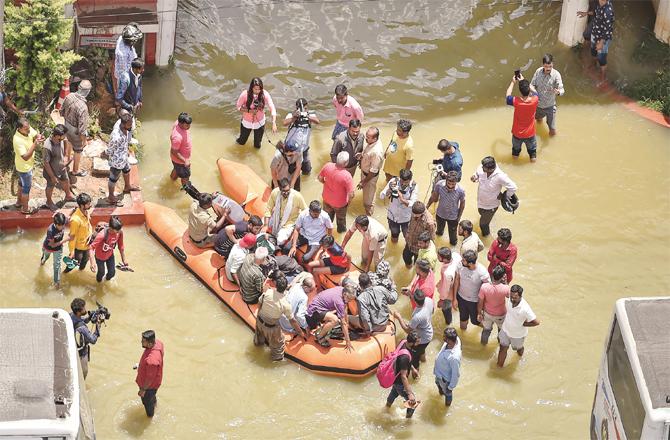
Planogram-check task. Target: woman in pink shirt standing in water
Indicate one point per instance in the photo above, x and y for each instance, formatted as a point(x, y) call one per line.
point(251, 104)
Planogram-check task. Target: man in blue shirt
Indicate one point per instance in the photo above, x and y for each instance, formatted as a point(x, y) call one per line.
point(452, 160)
point(447, 368)
point(83, 334)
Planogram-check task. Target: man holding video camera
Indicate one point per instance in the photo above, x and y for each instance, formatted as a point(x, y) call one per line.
point(83, 334)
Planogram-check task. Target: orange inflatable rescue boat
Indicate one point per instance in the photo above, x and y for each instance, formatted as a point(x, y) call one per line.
point(208, 266)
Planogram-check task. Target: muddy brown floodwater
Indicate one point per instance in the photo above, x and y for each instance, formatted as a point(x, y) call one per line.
point(592, 227)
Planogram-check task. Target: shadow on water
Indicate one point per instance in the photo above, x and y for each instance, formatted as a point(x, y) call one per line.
point(135, 421)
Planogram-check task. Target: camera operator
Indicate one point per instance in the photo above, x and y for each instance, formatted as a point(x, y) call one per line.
point(403, 192)
point(452, 160)
point(83, 334)
point(299, 124)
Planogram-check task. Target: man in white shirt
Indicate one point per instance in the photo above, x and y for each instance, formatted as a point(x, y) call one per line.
point(515, 326)
point(312, 225)
point(491, 181)
point(403, 192)
point(373, 245)
point(236, 256)
point(299, 289)
point(371, 162)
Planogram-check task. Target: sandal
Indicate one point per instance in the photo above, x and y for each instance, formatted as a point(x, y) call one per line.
point(52, 207)
point(81, 173)
point(323, 342)
point(117, 202)
point(31, 211)
point(132, 188)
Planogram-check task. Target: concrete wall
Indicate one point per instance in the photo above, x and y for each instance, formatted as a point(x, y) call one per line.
point(662, 27)
point(167, 24)
point(572, 27)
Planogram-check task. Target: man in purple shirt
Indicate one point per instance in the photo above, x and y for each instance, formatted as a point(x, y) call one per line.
point(329, 308)
point(347, 108)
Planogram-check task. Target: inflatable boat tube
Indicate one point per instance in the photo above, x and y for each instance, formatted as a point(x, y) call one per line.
point(244, 186)
point(208, 266)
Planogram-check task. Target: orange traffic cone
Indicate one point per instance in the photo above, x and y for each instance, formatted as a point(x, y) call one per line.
point(64, 91)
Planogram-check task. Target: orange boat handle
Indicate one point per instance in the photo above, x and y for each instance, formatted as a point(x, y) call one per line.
point(179, 253)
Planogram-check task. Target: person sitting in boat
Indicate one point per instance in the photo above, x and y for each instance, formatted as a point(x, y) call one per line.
point(328, 309)
point(202, 227)
point(226, 207)
point(286, 163)
point(381, 277)
point(297, 296)
point(282, 211)
point(312, 225)
point(251, 277)
point(282, 263)
point(373, 306)
point(330, 259)
point(299, 124)
point(231, 234)
point(237, 256)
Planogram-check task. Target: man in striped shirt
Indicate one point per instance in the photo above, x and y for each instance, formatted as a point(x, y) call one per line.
point(450, 198)
point(548, 84)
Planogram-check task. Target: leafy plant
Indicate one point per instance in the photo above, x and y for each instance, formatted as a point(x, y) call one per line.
point(35, 30)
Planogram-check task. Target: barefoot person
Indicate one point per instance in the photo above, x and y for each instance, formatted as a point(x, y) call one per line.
point(76, 117)
point(330, 259)
point(117, 153)
point(55, 167)
point(401, 387)
point(327, 309)
point(25, 141)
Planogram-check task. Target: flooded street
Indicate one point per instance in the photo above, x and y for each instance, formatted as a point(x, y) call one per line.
point(592, 227)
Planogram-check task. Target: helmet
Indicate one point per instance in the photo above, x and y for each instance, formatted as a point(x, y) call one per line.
point(509, 204)
point(131, 33)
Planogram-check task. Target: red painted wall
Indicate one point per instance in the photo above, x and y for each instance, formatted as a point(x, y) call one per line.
point(150, 49)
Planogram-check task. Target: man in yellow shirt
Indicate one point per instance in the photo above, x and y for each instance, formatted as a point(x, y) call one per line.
point(283, 208)
point(400, 152)
point(26, 139)
point(80, 232)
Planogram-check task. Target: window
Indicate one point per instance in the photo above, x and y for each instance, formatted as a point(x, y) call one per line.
point(626, 394)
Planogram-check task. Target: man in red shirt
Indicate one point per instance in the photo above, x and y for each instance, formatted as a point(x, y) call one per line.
point(338, 189)
point(180, 148)
point(523, 125)
point(150, 371)
point(102, 250)
point(503, 253)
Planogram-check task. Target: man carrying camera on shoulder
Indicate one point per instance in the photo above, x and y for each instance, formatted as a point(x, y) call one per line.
point(403, 192)
point(83, 334)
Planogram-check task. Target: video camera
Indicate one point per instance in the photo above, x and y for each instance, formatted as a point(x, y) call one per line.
point(100, 314)
point(257, 103)
point(191, 190)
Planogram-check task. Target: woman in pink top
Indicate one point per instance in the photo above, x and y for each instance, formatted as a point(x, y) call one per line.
point(424, 280)
point(251, 104)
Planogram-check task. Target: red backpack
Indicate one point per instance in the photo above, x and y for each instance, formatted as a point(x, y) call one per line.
point(386, 374)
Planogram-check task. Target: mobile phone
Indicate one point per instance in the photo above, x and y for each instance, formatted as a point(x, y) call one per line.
point(517, 73)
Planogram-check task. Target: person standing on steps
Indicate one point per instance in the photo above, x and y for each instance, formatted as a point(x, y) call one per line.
point(180, 148)
point(549, 84)
point(491, 180)
point(150, 371)
point(601, 34)
point(347, 108)
point(252, 104)
point(25, 142)
point(55, 167)
point(75, 114)
point(129, 93)
point(117, 153)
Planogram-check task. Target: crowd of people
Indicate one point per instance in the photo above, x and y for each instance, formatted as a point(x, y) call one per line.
point(278, 260)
